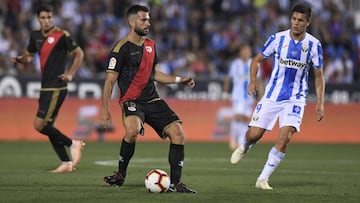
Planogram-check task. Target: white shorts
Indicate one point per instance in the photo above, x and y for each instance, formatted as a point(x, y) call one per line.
point(267, 112)
point(243, 107)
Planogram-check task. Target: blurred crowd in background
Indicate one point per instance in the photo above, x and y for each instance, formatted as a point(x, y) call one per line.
point(193, 38)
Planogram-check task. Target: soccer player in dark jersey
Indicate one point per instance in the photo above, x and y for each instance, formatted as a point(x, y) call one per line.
point(132, 64)
point(53, 46)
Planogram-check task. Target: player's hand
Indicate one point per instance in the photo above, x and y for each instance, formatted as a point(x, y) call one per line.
point(190, 82)
point(16, 59)
point(67, 77)
point(105, 118)
point(320, 112)
point(252, 89)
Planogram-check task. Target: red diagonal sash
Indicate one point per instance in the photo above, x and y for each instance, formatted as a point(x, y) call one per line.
point(141, 78)
point(47, 47)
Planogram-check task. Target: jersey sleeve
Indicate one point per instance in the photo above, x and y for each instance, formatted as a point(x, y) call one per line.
point(31, 48)
point(115, 61)
point(269, 47)
point(317, 59)
point(71, 44)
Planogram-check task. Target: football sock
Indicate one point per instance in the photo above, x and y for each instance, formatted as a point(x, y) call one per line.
point(126, 152)
point(58, 141)
point(274, 159)
point(176, 161)
point(241, 128)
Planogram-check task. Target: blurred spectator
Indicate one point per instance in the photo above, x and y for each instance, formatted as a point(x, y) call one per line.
point(202, 35)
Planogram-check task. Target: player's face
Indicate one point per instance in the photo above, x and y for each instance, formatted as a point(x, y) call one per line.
point(45, 20)
point(299, 23)
point(245, 52)
point(142, 23)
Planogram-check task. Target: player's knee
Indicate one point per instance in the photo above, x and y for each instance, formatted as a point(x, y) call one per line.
point(39, 126)
point(131, 134)
point(253, 135)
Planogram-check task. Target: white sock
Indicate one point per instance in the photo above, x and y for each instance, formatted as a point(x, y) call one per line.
point(274, 159)
point(238, 130)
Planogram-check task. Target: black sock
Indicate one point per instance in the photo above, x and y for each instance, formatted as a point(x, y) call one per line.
point(126, 152)
point(58, 141)
point(176, 160)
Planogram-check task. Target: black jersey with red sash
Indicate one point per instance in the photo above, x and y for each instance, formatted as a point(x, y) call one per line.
point(136, 66)
point(53, 50)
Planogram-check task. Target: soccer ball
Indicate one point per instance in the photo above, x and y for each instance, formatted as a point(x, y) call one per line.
point(157, 181)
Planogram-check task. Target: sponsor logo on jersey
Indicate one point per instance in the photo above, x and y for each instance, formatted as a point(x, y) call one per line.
point(112, 63)
point(292, 63)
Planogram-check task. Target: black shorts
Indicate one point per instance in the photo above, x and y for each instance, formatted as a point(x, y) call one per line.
point(50, 102)
point(155, 113)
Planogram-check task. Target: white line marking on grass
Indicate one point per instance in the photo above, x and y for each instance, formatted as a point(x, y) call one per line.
point(162, 162)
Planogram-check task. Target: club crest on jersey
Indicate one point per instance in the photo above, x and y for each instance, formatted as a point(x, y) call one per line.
point(304, 48)
point(112, 63)
point(51, 40)
point(148, 49)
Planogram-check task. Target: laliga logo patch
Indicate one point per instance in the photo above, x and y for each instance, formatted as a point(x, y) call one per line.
point(148, 49)
point(132, 108)
point(51, 40)
point(255, 118)
point(112, 63)
point(296, 109)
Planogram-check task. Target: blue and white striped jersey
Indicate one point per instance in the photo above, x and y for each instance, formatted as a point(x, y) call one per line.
point(292, 61)
point(240, 73)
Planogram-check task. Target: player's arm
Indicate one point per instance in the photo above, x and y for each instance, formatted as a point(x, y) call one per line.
point(169, 79)
point(78, 57)
point(26, 58)
point(105, 117)
point(226, 88)
point(320, 92)
point(254, 68)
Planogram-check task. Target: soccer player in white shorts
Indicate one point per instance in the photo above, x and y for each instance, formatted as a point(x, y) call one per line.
point(294, 52)
point(267, 112)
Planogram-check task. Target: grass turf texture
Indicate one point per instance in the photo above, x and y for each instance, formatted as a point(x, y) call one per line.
point(309, 173)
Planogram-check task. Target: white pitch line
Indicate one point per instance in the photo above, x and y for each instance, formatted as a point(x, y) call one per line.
point(161, 162)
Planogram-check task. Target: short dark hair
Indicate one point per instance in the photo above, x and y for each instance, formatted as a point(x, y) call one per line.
point(304, 8)
point(133, 10)
point(44, 7)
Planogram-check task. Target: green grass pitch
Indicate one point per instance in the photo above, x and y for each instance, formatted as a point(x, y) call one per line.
point(309, 173)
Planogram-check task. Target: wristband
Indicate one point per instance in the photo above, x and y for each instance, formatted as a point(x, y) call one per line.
point(177, 79)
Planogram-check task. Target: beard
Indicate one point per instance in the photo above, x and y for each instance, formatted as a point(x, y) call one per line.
point(140, 32)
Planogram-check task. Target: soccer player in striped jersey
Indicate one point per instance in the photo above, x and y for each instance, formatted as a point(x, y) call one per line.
point(294, 52)
point(242, 102)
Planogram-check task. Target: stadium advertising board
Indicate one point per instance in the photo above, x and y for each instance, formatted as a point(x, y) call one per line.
point(28, 87)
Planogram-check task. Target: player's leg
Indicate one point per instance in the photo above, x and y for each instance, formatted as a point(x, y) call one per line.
point(133, 125)
point(263, 118)
point(252, 135)
point(275, 156)
point(167, 124)
point(289, 120)
point(49, 105)
point(176, 157)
